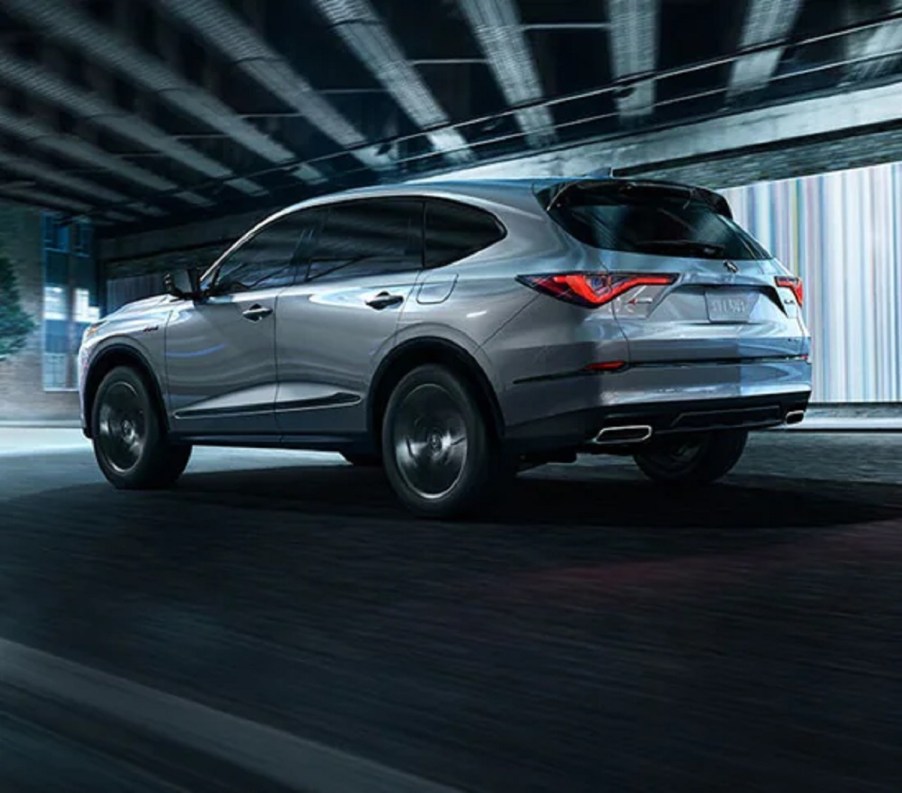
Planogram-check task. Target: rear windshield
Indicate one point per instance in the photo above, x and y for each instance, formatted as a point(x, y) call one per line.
point(655, 221)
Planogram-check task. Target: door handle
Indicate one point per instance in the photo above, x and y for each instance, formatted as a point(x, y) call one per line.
point(256, 312)
point(384, 300)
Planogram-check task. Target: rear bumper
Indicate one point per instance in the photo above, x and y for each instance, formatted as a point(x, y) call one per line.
point(668, 399)
point(579, 428)
point(719, 414)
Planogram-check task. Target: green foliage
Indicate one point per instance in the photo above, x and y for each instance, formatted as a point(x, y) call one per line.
point(15, 323)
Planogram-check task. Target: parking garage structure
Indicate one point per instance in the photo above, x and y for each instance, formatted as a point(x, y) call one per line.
point(277, 621)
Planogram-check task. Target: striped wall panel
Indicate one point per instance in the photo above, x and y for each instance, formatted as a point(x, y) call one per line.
point(842, 232)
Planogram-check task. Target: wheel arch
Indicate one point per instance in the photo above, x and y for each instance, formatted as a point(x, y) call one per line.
point(107, 360)
point(416, 352)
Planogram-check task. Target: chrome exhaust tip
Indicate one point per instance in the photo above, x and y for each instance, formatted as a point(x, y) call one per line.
point(634, 433)
point(794, 416)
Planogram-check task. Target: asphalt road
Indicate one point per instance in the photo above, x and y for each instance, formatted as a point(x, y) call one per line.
point(591, 633)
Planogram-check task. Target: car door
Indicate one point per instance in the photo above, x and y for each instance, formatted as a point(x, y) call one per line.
point(220, 351)
point(337, 324)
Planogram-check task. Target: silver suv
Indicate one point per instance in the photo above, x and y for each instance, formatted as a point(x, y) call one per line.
point(457, 332)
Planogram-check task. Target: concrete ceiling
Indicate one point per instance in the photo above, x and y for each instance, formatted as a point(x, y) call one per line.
point(151, 113)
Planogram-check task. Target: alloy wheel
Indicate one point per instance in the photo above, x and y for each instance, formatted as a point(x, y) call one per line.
point(429, 438)
point(122, 427)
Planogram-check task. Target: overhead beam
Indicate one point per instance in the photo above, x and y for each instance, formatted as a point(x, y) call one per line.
point(137, 245)
point(225, 31)
point(873, 43)
point(41, 82)
point(766, 21)
point(119, 217)
point(498, 29)
point(28, 192)
point(66, 22)
point(41, 136)
point(593, 25)
point(41, 198)
point(850, 114)
point(33, 169)
point(365, 34)
point(633, 45)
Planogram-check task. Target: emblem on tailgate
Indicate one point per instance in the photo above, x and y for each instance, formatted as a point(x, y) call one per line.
point(730, 267)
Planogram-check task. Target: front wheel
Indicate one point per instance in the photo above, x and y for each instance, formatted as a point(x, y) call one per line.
point(439, 452)
point(694, 461)
point(130, 441)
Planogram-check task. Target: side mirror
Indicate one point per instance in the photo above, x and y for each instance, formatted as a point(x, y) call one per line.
point(185, 284)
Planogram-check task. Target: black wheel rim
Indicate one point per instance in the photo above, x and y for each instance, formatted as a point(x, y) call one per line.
point(429, 439)
point(121, 427)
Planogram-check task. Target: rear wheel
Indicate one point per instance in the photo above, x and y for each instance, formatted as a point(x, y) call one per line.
point(130, 441)
point(697, 460)
point(439, 452)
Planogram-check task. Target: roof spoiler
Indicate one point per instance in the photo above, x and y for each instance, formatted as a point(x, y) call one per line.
point(714, 200)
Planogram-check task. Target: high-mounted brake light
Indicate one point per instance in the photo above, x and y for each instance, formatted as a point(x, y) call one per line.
point(793, 283)
point(592, 289)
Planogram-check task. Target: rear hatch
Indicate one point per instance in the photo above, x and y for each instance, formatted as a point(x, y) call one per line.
point(720, 296)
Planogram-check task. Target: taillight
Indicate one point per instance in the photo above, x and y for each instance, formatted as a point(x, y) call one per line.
point(592, 289)
point(793, 283)
point(606, 366)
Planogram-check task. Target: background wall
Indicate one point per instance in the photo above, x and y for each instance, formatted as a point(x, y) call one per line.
point(22, 394)
point(842, 232)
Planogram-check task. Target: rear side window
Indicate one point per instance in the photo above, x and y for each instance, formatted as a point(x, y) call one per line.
point(455, 230)
point(369, 237)
point(658, 221)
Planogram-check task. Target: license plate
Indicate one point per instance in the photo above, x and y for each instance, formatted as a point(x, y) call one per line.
point(730, 306)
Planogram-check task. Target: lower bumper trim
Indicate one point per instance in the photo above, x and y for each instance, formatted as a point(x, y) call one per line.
point(577, 429)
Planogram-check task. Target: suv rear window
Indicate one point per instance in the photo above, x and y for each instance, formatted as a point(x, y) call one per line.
point(656, 220)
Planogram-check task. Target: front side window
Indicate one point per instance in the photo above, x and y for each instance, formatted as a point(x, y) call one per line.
point(369, 237)
point(455, 230)
point(655, 220)
point(272, 257)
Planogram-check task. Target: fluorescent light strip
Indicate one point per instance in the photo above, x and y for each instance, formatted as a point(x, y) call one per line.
point(496, 25)
point(765, 20)
point(366, 35)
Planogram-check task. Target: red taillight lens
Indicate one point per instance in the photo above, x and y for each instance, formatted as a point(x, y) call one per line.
point(793, 283)
point(606, 366)
point(592, 289)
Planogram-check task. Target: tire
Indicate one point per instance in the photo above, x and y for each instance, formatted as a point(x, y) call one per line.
point(130, 441)
point(697, 461)
point(362, 460)
point(439, 451)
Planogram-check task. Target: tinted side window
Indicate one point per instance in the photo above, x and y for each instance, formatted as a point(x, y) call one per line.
point(454, 231)
point(271, 257)
point(369, 237)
